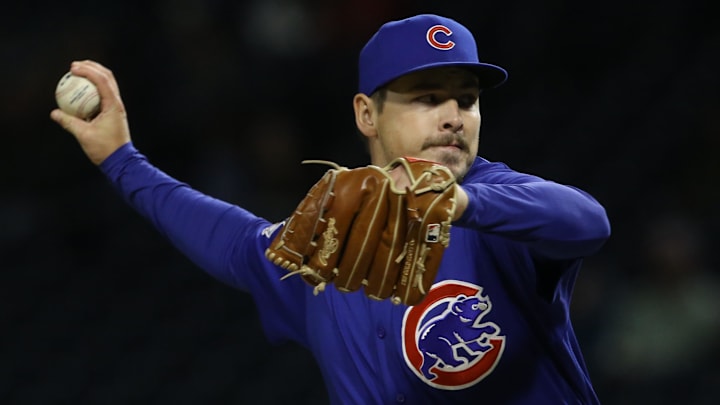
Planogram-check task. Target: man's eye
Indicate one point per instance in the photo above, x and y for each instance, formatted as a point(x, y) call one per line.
point(428, 99)
point(467, 101)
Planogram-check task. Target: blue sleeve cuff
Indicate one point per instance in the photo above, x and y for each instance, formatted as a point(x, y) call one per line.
point(120, 155)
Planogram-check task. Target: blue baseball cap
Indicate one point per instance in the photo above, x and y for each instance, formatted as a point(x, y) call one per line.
point(422, 42)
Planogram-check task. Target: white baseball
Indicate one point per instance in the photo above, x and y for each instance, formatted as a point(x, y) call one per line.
point(77, 96)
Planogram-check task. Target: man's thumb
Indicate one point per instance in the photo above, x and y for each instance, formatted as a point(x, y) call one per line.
point(67, 121)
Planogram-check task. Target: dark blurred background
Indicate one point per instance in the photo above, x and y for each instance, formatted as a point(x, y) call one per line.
point(619, 98)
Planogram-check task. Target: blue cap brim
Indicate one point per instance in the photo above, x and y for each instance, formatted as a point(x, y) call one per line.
point(489, 76)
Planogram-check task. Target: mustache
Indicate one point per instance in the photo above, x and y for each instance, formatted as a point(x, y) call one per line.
point(446, 140)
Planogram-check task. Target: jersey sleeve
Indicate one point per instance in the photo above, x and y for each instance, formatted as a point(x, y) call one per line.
point(556, 221)
point(225, 240)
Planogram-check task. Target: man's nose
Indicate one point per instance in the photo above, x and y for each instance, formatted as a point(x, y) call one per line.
point(451, 118)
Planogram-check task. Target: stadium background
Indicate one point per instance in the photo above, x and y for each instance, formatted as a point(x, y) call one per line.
point(619, 98)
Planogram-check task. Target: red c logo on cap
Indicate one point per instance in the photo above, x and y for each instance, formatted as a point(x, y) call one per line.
point(430, 36)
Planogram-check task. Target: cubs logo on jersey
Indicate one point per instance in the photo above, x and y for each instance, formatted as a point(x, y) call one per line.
point(445, 340)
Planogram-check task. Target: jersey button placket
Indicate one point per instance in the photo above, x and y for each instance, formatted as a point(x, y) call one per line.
point(400, 398)
point(381, 332)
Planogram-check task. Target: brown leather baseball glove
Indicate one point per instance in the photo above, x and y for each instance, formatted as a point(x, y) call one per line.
point(355, 228)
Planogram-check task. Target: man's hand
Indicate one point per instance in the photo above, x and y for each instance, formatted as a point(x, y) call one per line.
point(109, 130)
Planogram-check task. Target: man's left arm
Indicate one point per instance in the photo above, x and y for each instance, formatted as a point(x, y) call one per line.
point(557, 221)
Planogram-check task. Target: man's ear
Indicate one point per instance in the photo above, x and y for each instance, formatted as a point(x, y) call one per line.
point(364, 111)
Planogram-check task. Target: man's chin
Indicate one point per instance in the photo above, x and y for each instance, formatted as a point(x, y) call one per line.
point(459, 171)
point(458, 163)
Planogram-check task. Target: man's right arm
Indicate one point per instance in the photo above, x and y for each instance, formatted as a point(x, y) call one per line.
point(205, 229)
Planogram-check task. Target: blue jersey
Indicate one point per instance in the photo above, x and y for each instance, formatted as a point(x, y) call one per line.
point(495, 328)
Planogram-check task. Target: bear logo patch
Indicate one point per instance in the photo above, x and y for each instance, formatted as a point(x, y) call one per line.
point(445, 340)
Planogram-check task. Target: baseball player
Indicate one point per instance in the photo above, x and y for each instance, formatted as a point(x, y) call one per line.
point(492, 327)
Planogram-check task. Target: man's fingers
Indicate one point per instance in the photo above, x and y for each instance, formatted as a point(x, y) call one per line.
point(103, 79)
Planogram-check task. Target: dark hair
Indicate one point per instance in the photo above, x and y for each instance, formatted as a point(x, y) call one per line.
point(379, 97)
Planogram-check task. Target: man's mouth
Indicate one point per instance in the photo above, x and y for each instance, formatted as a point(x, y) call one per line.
point(451, 147)
point(447, 142)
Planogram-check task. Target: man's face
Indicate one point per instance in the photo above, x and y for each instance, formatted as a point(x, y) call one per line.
point(432, 114)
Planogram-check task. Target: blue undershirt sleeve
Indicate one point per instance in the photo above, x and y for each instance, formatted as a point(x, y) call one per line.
point(205, 229)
